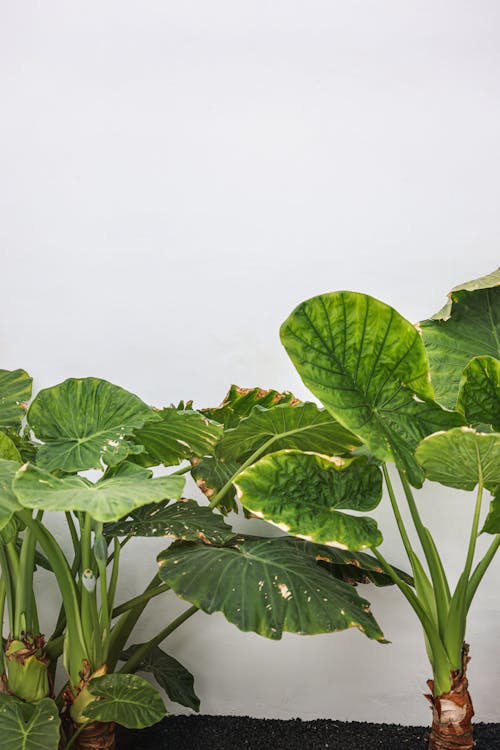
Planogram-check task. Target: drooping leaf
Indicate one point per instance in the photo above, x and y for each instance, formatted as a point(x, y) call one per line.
point(127, 699)
point(175, 436)
point(305, 493)
point(8, 450)
point(461, 458)
point(184, 520)
point(27, 726)
point(175, 679)
point(107, 500)
point(85, 421)
point(267, 586)
point(368, 366)
point(303, 426)
point(354, 567)
point(468, 327)
point(479, 394)
point(239, 403)
point(9, 503)
point(211, 475)
point(15, 392)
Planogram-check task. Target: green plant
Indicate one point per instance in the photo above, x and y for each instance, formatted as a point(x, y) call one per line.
point(375, 374)
point(261, 584)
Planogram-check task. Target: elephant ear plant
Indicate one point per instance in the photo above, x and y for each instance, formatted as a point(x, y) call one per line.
point(80, 425)
point(375, 373)
point(88, 452)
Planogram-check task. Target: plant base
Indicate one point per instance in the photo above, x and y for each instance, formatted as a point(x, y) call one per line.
point(452, 713)
point(96, 736)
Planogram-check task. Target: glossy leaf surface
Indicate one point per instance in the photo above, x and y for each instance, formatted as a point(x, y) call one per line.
point(127, 699)
point(175, 436)
point(368, 366)
point(306, 493)
point(107, 500)
point(184, 520)
point(303, 426)
point(267, 586)
point(84, 422)
point(461, 458)
point(470, 328)
point(479, 395)
point(26, 726)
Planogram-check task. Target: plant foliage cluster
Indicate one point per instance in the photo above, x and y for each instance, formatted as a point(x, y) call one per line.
point(424, 398)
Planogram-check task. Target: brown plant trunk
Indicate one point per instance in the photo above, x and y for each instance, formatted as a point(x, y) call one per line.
point(452, 713)
point(96, 736)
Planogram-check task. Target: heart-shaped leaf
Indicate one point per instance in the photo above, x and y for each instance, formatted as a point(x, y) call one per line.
point(184, 520)
point(305, 493)
point(303, 426)
point(368, 366)
point(267, 586)
point(26, 726)
point(175, 679)
point(175, 436)
point(15, 392)
point(461, 458)
point(84, 422)
point(107, 500)
point(479, 395)
point(469, 326)
point(127, 699)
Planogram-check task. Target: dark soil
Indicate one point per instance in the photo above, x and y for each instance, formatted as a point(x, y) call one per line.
point(244, 733)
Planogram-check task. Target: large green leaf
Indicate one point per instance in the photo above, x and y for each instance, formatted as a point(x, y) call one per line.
point(368, 366)
point(15, 392)
point(175, 679)
point(303, 426)
point(107, 500)
point(267, 586)
point(479, 395)
point(184, 520)
point(239, 403)
point(8, 501)
point(26, 726)
point(469, 326)
point(85, 421)
point(126, 699)
point(461, 458)
point(305, 493)
point(177, 435)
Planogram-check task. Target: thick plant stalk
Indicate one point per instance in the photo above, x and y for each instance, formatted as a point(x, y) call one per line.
point(452, 713)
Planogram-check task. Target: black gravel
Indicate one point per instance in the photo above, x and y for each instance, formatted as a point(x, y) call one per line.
point(242, 733)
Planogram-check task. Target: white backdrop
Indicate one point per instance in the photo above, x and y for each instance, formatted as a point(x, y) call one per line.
point(177, 176)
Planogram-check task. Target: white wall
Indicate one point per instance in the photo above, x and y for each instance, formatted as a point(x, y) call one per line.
point(176, 176)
